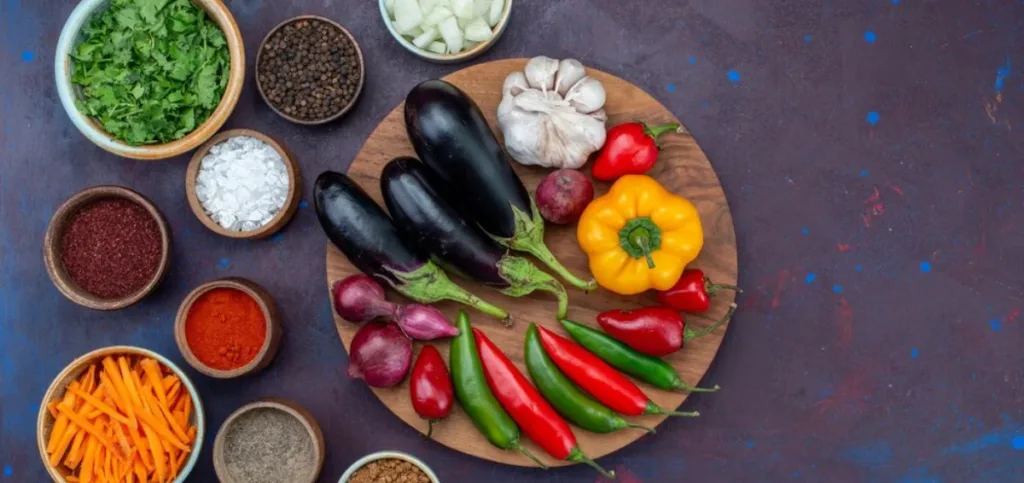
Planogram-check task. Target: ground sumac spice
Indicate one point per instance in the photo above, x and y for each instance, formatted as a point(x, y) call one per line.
point(111, 248)
point(225, 328)
point(390, 470)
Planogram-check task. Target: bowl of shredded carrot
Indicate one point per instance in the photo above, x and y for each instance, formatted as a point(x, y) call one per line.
point(120, 414)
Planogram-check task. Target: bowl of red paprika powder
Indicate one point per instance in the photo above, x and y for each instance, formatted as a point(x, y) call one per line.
point(228, 328)
point(107, 247)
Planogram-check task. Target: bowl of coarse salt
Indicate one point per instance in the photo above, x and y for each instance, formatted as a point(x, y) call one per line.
point(243, 184)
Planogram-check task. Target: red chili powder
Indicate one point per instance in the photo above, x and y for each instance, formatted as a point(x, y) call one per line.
point(111, 248)
point(225, 328)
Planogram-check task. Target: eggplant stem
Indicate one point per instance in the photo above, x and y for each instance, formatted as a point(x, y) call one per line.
point(547, 258)
point(524, 277)
point(460, 295)
point(696, 334)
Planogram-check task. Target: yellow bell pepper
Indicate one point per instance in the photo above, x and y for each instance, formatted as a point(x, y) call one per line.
point(639, 236)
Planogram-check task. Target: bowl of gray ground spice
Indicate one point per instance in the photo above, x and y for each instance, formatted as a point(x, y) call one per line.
point(389, 467)
point(269, 441)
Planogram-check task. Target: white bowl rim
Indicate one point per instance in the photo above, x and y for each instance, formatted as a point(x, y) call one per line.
point(197, 404)
point(465, 54)
point(383, 455)
point(65, 44)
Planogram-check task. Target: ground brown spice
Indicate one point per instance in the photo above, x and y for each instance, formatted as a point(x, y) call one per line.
point(391, 470)
point(111, 248)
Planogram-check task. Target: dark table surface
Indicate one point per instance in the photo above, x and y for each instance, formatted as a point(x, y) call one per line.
point(872, 155)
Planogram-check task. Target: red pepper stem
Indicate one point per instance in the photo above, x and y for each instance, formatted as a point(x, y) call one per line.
point(577, 456)
point(656, 131)
point(712, 288)
point(696, 334)
point(655, 409)
point(430, 428)
point(523, 450)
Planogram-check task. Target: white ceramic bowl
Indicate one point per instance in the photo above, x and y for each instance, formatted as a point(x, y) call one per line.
point(383, 455)
point(448, 58)
point(92, 130)
point(44, 422)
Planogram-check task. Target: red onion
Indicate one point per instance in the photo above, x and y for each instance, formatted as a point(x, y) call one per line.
point(359, 298)
point(380, 355)
point(423, 322)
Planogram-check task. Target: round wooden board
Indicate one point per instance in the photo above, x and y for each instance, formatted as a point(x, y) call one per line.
point(682, 167)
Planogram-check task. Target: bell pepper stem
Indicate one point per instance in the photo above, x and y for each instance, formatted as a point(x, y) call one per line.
point(577, 456)
point(712, 288)
point(640, 237)
point(655, 409)
point(655, 131)
point(518, 447)
point(696, 334)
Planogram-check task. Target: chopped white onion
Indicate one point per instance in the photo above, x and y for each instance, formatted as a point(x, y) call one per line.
point(437, 47)
point(436, 15)
point(390, 6)
point(462, 8)
point(481, 7)
point(427, 5)
point(497, 6)
point(424, 39)
point(452, 34)
point(478, 30)
point(407, 15)
point(461, 24)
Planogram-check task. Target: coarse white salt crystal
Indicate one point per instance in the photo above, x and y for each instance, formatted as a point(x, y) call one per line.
point(242, 183)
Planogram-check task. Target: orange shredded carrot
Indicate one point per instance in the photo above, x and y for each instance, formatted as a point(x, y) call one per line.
point(88, 427)
point(166, 416)
point(140, 469)
point(71, 479)
point(100, 406)
point(129, 382)
point(87, 463)
point(176, 465)
point(157, 450)
point(174, 391)
point(51, 407)
point(76, 454)
point(152, 369)
point(160, 428)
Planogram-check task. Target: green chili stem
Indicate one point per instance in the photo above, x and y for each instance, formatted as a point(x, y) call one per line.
point(696, 334)
point(577, 456)
point(688, 388)
point(523, 450)
point(645, 428)
point(655, 409)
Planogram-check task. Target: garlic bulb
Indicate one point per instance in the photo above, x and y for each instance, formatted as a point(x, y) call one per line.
point(552, 114)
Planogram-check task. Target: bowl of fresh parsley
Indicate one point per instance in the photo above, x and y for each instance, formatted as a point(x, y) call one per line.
point(149, 79)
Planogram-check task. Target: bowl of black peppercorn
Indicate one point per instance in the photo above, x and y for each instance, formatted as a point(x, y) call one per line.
point(310, 70)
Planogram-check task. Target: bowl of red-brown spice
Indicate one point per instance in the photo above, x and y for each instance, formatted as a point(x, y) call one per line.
point(389, 466)
point(228, 328)
point(107, 247)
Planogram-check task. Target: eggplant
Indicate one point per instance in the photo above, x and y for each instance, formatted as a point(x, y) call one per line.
point(451, 136)
point(428, 222)
point(365, 234)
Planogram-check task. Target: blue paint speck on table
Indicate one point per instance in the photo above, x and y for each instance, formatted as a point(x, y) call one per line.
point(872, 118)
point(28, 56)
point(670, 88)
point(796, 474)
point(1002, 73)
point(870, 37)
point(864, 172)
point(895, 2)
point(805, 231)
point(704, 104)
point(1017, 442)
point(996, 324)
point(837, 288)
point(859, 268)
point(750, 444)
point(807, 38)
point(733, 75)
point(809, 279)
point(926, 266)
point(914, 353)
point(303, 204)
point(277, 236)
point(8, 471)
point(224, 262)
point(693, 60)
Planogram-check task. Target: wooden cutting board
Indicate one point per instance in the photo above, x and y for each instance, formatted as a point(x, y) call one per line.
point(682, 167)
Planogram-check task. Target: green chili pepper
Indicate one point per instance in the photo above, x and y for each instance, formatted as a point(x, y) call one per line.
point(476, 397)
point(569, 401)
point(651, 370)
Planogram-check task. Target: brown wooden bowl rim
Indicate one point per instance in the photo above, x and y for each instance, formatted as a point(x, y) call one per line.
point(359, 88)
point(251, 289)
point(79, 364)
point(290, 407)
point(55, 231)
point(278, 221)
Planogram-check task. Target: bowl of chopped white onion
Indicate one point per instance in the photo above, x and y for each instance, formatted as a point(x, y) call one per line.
point(446, 31)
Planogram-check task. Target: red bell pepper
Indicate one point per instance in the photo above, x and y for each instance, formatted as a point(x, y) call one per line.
point(599, 379)
point(693, 292)
point(431, 387)
point(630, 148)
point(527, 407)
point(655, 331)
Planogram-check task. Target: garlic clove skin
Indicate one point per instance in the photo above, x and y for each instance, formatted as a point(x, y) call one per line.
point(570, 71)
point(514, 84)
point(587, 95)
point(540, 72)
point(600, 115)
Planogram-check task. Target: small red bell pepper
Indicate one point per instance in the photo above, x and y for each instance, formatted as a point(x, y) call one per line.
point(431, 387)
point(598, 379)
point(527, 407)
point(630, 148)
point(693, 292)
point(655, 331)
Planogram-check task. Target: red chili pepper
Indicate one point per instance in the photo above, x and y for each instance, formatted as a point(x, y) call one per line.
point(693, 292)
point(524, 403)
point(655, 331)
point(599, 379)
point(630, 148)
point(431, 387)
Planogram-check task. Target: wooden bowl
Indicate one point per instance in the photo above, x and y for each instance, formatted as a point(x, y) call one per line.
point(300, 413)
point(45, 421)
point(463, 56)
point(92, 130)
point(270, 315)
point(387, 455)
point(359, 86)
point(291, 202)
point(55, 231)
